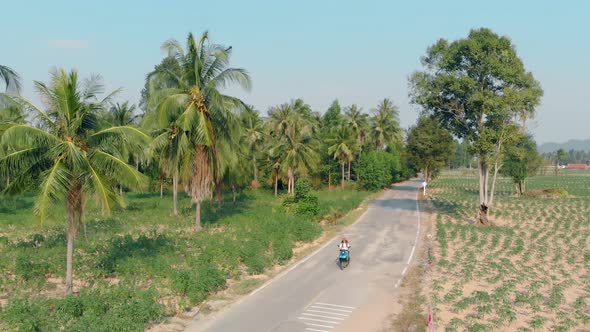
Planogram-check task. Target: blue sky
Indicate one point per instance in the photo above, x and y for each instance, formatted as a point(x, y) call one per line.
point(355, 51)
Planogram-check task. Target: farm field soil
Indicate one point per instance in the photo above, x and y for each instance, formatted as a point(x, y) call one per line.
point(529, 272)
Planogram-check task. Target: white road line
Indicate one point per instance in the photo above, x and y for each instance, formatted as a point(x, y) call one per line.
point(312, 324)
point(411, 254)
point(308, 329)
point(325, 308)
point(417, 230)
point(322, 316)
point(327, 312)
point(404, 271)
point(319, 320)
point(336, 305)
point(397, 283)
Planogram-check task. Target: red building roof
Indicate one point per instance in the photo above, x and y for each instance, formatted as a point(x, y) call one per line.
point(577, 166)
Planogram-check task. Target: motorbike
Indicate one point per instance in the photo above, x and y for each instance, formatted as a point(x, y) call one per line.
point(344, 259)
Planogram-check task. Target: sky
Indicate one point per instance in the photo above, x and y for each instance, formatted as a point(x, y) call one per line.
point(319, 50)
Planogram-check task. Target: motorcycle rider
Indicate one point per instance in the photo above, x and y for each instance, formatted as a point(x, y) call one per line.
point(344, 245)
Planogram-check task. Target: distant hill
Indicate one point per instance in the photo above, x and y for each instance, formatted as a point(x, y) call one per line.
point(574, 144)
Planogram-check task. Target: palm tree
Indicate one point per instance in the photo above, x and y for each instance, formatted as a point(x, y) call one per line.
point(207, 115)
point(254, 135)
point(342, 145)
point(73, 157)
point(385, 124)
point(10, 78)
point(299, 149)
point(358, 122)
point(124, 115)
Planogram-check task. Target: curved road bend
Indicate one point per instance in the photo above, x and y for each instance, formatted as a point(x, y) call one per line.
point(316, 296)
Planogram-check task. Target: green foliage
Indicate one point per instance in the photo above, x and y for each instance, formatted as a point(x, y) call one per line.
point(522, 160)
point(429, 146)
point(105, 309)
point(304, 203)
point(378, 169)
point(197, 284)
point(29, 267)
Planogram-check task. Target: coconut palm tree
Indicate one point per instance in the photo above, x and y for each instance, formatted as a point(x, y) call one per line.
point(11, 79)
point(358, 122)
point(299, 150)
point(207, 115)
point(385, 124)
point(342, 146)
point(124, 115)
point(73, 157)
point(253, 135)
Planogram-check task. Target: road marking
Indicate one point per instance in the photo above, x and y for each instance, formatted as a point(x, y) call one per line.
point(336, 305)
point(325, 308)
point(308, 329)
point(312, 324)
point(322, 316)
point(404, 271)
point(327, 312)
point(397, 283)
point(319, 320)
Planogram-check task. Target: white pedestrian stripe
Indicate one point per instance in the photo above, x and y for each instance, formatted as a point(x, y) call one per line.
point(324, 315)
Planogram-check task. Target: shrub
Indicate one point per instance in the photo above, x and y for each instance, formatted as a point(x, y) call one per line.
point(377, 169)
point(304, 203)
point(28, 268)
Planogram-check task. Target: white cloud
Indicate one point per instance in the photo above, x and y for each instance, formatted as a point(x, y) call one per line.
point(69, 43)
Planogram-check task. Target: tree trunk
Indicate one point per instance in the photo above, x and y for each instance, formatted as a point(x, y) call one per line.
point(120, 190)
point(276, 185)
point(218, 194)
point(198, 217)
point(175, 194)
point(329, 180)
point(233, 191)
point(348, 172)
point(255, 170)
point(556, 165)
point(7, 181)
point(291, 185)
point(520, 192)
point(70, 247)
point(342, 180)
point(161, 187)
point(493, 190)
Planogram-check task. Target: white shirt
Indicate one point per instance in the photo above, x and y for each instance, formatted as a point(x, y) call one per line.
point(344, 246)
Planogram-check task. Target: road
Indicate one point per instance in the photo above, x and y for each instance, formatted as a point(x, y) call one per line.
point(316, 296)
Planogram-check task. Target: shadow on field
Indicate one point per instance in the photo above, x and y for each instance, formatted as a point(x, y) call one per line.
point(213, 211)
point(122, 247)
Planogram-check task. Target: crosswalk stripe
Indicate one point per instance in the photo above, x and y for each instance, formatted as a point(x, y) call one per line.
point(327, 312)
point(319, 320)
point(338, 318)
point(336, 305)
point(326, 308)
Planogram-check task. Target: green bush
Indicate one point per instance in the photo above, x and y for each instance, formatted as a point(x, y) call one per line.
point(28, 267)
point(304, 203)
point(378, 169)
point(282, 250)
point(105, 309)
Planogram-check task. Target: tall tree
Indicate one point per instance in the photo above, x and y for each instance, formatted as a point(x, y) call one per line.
point(342, 146)
point(71, 155)
point(385, 124)
point(560, 155)
point(522, 161)
point(208, 115)
point(476, 87)
point(429, 146)
point(253, 134)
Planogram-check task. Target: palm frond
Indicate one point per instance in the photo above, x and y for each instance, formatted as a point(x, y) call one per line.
point(53, 186)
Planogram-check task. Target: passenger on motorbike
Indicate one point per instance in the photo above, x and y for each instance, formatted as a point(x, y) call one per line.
point(344, 245)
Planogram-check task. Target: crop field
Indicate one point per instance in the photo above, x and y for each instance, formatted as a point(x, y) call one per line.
point(140, 264)
point(529, 272)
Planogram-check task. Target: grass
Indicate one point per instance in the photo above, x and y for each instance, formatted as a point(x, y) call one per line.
point(161, 265)
point(529, 272)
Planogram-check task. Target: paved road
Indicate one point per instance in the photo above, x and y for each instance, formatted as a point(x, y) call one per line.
point(317, 296)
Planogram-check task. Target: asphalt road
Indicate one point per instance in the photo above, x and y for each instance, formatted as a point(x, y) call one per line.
point(315, 295)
